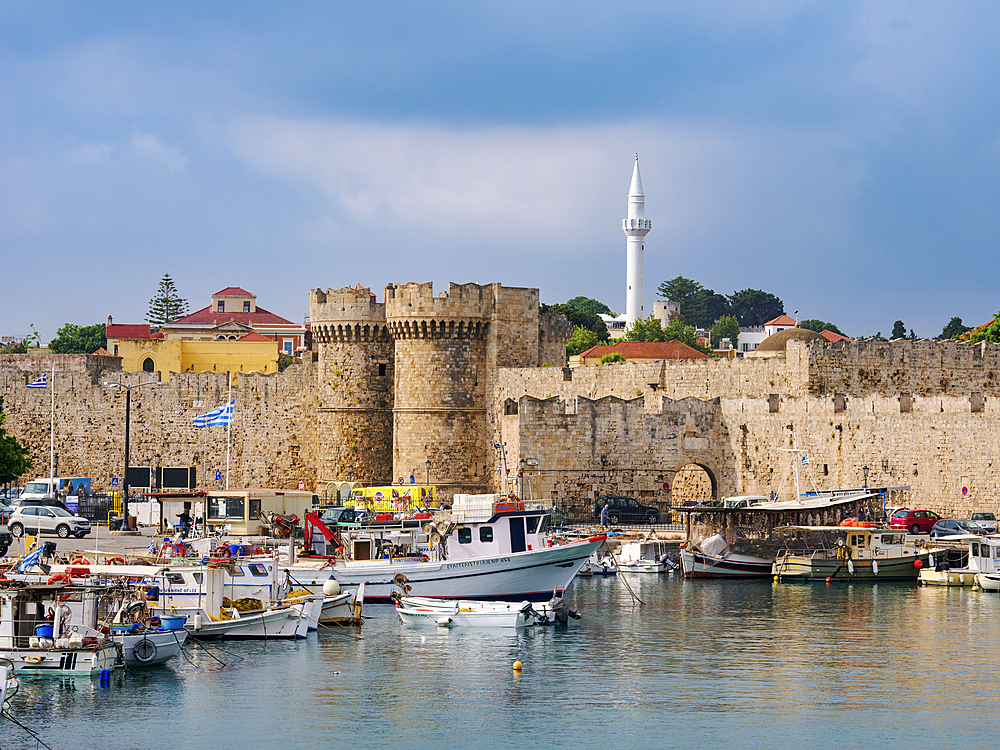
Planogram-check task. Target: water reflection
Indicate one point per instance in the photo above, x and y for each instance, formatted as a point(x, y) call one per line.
point(716, 664)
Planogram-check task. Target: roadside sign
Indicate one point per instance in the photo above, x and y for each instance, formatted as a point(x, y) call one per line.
point(114, 481)
point(302, 485)
point(218, 475)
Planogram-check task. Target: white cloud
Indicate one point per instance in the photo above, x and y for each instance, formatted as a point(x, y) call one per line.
point(147, 146)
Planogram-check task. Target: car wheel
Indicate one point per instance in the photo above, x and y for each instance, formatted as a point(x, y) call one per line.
point(915, 529)
point(17, 529)
point(63, 531)
point(613, 518)
point(652, 518)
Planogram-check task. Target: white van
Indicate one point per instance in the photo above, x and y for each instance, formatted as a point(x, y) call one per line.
point(44, 487)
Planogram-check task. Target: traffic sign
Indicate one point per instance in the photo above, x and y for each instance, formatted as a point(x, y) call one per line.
point(218, 475)
point(114, 481)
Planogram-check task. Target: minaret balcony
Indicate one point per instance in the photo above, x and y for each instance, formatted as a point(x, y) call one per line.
point(636, 225)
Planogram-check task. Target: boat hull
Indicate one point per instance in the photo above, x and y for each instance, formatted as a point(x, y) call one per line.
point(284, 622)
point(520, 576)
point(151, 649)
point(85, 662)
point(700, 565)
point(931, 577)
point(795, 567)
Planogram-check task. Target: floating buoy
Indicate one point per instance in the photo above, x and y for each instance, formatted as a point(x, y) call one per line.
point(829, 580)
point(517, 665)
point(331, 587)
point(918, 564)
point(776, 579)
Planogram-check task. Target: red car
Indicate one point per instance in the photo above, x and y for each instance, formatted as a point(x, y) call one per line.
point(914, 521)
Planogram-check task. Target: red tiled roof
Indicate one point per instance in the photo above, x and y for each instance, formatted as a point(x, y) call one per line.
point(781, 320)
point(102, 352)
point(156, 335)
point(206, 317)
point(833, 337)
point(126, 331)
point(673, 349)
point(234, 291)
point(254, 336)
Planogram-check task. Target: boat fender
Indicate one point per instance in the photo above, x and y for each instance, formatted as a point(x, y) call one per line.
point(144, 651)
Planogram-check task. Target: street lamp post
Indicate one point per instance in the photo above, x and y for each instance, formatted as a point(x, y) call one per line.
point(521, 474)
point(427, 465)
point(128, 408)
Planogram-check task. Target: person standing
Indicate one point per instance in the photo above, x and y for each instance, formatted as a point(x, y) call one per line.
point(605, 516)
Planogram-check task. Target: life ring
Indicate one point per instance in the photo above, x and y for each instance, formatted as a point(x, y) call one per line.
point(80, 561)
point(60, 578)
point(117, 561)
point(221, 552)
point(144, 651)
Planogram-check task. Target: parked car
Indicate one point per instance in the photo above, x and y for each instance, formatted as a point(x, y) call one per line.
point(953, 527)
point(914, 521)
point(47, 519)
point(52, 502)
point(627, 510)
point(5, 511)
point(6, 539)
point(987, 520)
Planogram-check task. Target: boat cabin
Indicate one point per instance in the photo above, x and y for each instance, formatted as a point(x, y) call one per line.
point(239, 509)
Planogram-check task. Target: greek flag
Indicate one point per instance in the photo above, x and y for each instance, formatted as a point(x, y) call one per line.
point(30, 558)
point(805, 460)
point(221, 416)
point(39, 383)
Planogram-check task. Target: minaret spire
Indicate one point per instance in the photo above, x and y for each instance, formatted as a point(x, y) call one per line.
point(636, 227)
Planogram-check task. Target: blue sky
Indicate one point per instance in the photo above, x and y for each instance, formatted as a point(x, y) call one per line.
point(843, 156)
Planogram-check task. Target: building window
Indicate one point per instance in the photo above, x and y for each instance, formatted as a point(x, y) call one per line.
point(246, 306)
point(116, 350)
point(381, 371)
point(286, 345)
point(221, 306)
point(147, 365)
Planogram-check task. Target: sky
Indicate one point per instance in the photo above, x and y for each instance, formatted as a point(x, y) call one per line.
point(842, 156)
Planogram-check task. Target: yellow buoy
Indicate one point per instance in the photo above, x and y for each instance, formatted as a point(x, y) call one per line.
point(517, 665)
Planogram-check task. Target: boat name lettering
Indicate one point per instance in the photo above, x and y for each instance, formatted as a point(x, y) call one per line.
point(477, 563)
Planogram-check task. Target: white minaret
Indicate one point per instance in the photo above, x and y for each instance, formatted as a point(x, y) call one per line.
point(636, 226)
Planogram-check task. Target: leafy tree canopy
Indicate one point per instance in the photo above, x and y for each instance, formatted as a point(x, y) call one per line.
point(726, 327)
point(819, 326)
point(18, 347)
point(700, 307)
point(166, 305)
point(953, 330)
point(753, 307)
point(590, 306)
point(648, 329)
point(578, 317)
point(14, 461)
point(581, 340)
point(74, 339)
point(898, 330)
point(613, 357)
point(989, 332)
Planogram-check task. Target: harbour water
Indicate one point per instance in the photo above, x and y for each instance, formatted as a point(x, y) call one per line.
point(699, 664)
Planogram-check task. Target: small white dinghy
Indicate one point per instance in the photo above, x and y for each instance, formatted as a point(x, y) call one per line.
point(414, 610)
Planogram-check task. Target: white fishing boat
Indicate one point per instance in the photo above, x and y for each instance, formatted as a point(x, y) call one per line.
point(144, 644)
point(40, 634)
point(464, 613)
point(490, 548)
point(598, 565)
point(981, 558)
point(646, 555)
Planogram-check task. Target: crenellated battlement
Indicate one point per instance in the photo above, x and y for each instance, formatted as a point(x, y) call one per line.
point(346, 315)
point(460, 302)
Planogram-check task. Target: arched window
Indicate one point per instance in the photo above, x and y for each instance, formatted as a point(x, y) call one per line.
point(147, 364)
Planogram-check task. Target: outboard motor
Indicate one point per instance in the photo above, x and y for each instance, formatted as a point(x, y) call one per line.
point(561, 611)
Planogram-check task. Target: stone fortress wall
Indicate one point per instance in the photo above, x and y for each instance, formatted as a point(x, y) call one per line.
point(457, 379)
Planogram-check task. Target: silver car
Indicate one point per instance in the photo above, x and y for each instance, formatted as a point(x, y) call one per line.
point(986, 520)
point(43, 519)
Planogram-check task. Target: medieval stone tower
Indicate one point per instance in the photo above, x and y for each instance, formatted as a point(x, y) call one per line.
point(417, 373)
point(354, 385)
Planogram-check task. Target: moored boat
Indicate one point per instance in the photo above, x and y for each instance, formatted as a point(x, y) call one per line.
point(837, 553)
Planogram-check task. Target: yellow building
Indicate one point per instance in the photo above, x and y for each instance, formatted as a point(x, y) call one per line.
point(144, 351)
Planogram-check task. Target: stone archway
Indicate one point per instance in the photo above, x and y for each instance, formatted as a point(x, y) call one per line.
point(693, 481)
point(148, 365)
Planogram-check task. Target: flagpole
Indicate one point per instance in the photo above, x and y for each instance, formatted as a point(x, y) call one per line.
point(52, 434)
point(229, 429)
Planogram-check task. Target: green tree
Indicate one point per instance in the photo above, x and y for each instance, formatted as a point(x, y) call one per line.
point(590, 306)
point(578, 317)
point(74, 339)
point(166, 305)
point(989, 332)
point(679, 290)
point(14, 461)
point(752, 307)
point(581, 340)
point(18, 347)
point(707, 308)
point(613, 357)
point(954, 329)
point(284, 360)
point(898, 330)
point(819, 326)
point(648, 329)
point(726, 327)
